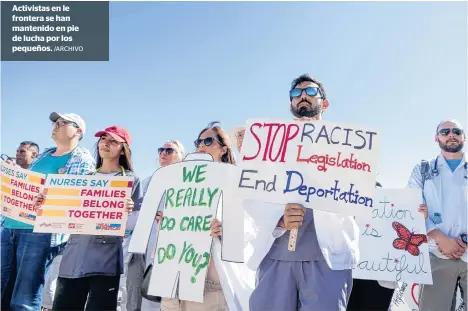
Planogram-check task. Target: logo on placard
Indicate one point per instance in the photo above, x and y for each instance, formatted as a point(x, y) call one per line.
point(6, 211)
point(27, 216)
point(45, 225)
point(108, 226)
point(73, 225)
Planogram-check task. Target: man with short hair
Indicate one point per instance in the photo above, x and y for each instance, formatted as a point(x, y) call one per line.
point(32, 252)
point(26, 152)
point(443, 183)
point(317, 276)
point(130, 283)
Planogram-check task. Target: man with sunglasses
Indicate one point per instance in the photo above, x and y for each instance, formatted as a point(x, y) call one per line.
point(130, 283)
point(443, 183)
point(32, 253)
point(317, 276)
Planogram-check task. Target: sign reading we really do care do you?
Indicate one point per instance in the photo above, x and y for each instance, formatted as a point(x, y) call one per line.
point(190, 194)
point(19, 189)
point(92, 204)
point(321, 165)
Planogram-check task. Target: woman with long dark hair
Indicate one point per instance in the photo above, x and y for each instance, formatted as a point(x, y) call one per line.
point(90, 270)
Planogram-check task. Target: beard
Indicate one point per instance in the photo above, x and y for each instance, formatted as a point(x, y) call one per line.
point(451, 148)
point(306, 111)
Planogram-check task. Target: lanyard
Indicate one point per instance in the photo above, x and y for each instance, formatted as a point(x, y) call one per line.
point(123, 171)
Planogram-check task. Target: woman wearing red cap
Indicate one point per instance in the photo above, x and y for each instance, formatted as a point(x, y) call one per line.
point(91, 265)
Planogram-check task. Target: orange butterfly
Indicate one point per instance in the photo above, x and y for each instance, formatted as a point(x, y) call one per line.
point(407, 240)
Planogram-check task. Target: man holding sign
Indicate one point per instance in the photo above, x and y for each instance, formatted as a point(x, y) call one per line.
point(443, 181)
point(33, 252)
point(317, 275)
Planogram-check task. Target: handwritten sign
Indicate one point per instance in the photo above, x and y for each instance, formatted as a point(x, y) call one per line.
point(193, 191)
point(393, 242)
point(19, 189)
point(322, 165)
point(406, 295)
point(84, 205)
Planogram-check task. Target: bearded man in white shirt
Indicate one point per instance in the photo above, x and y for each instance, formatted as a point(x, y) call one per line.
point(443, 183)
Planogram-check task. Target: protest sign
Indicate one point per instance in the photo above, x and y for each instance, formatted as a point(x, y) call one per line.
point(93, 204)
point(193, 193)
point(321, 165)
point(393, 242)
point(406, 298)
point(19, 189)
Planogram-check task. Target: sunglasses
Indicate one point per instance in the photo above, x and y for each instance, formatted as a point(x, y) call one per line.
point(206, 141)
point(168, 150)
point(64, 123)
point(311, 91)
point(445, 132)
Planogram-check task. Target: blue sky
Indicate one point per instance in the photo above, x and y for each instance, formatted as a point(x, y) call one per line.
point(400, 67)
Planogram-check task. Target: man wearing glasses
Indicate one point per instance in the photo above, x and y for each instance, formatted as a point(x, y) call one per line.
point(32, 253)
point(318, 274)
point(443, 183)
point(130, 283)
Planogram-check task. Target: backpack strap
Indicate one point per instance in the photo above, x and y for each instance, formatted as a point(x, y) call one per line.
point(425, 174)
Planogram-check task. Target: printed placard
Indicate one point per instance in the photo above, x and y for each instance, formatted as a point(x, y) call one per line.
point(321, 165)
point(393, 242)
point(19, 189)
point(92, 205)
point(193, 192)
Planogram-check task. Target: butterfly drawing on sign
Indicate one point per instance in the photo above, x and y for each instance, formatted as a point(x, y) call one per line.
point(407, 240)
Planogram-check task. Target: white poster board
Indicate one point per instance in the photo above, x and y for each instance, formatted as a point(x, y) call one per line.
point(406, 296)
point(319, 164)
point(193, 191)
point(78, 204)
point(393, 242)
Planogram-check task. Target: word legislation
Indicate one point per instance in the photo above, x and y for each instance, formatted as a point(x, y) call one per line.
point(322, 165)
point(20, 188)
point(84, 205)
point(393, 241)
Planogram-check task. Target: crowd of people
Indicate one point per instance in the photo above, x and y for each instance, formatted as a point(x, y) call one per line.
point(43, 271)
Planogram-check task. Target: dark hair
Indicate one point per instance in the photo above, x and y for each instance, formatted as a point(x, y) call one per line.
point(31, 144)
point(223, 140)
point(307, 78)
point(125, 159)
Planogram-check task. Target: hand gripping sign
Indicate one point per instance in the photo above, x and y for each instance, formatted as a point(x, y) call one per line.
point(190, 194)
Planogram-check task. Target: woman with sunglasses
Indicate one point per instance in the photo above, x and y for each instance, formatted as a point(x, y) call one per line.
point(90, 270)
point(215, 141)
point(171, 152)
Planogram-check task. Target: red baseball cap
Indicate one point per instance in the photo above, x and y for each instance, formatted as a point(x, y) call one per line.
point(119, 133)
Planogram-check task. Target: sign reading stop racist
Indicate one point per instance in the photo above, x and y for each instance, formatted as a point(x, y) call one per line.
point(84, 205)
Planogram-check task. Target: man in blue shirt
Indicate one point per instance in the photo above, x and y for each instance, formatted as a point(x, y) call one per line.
point(31, 253)
point(443, 183)
point(25, 154)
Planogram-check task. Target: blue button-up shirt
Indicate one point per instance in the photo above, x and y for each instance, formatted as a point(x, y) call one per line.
point(444, 195)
